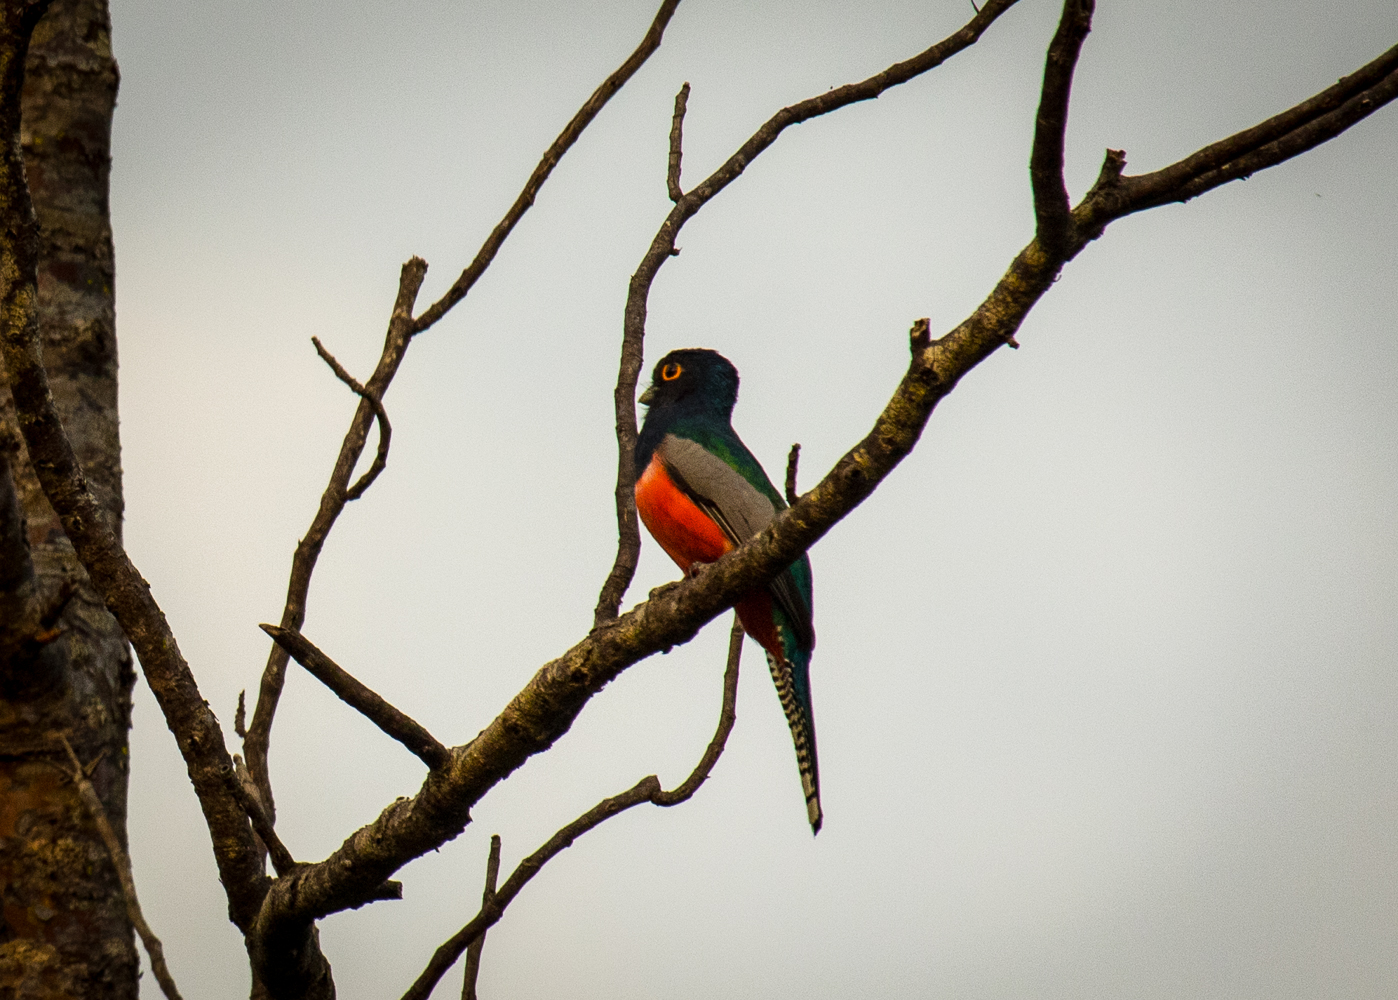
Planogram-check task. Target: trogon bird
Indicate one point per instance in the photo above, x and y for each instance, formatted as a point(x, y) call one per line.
point(701, 493)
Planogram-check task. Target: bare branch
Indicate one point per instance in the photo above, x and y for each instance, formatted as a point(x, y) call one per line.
point(672, 177)
point(648, 789)
point(552, 155)
point(473, 951)
point(246, 790)
point(360, 697)
point(662, 248)
point(727, 716)
point(1051, 208)
point(258, 742)
point(792, 458)
point(123, 869)
point(1279, 138)
point(385, 429)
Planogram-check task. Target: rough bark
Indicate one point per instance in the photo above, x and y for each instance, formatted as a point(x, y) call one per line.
point(64, 930)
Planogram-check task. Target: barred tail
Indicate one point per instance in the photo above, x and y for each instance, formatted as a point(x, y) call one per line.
point(794, 689)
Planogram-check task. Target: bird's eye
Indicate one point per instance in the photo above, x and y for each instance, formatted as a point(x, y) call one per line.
point(670, 372)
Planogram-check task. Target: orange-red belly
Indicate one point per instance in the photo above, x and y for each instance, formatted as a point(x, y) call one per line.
point(688, 536)
point(684, 531)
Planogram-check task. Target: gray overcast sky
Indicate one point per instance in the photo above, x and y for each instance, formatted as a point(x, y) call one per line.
point(1106, 681)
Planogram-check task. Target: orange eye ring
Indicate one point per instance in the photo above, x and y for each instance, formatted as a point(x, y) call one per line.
point(670, 372)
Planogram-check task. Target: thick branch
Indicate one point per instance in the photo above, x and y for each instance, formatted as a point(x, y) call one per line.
point(552, 155)
point(337, 493)
point(123, 868)
point(662, 248)
point(646, 790)
point(360, 697)
point(1051, 210)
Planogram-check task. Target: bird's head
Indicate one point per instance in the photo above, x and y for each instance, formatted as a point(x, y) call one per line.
point(695, 377)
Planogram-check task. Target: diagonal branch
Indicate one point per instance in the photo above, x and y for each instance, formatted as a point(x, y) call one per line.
point(385, 428)
point(122, 862)
point(646, 790)
point(1051, 210)
point(246, 790)
point(552, 155)
point(360, 697)
point(662, 248)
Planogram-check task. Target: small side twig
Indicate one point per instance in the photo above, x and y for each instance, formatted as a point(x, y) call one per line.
point(385, 429)
point(123, 867)
point(473, 953)
point(792, 458)
point(360, 697)
point(246, 791)
point(672, 177)
point(648, 789)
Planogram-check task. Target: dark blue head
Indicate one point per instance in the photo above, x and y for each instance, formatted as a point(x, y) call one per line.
point(695, 388)
point(693, 380)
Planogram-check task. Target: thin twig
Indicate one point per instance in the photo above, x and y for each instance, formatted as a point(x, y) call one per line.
point(385, 429)
point(360, 697)
point(283, 863)
point(473, 952)
point(662, 248)
point(672, 176)
point(648, 789)
point(123, 868)
point(1051, 209)
point(792, 458)
point(552, 155)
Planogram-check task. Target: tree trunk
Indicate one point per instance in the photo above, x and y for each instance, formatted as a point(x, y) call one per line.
point(65, 932)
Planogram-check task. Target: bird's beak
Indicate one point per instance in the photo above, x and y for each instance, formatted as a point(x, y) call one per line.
point(648, 396)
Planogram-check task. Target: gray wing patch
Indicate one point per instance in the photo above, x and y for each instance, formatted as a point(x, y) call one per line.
point(739, 508)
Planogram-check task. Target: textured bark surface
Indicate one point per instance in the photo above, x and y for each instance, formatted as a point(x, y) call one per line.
point(65, 931)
